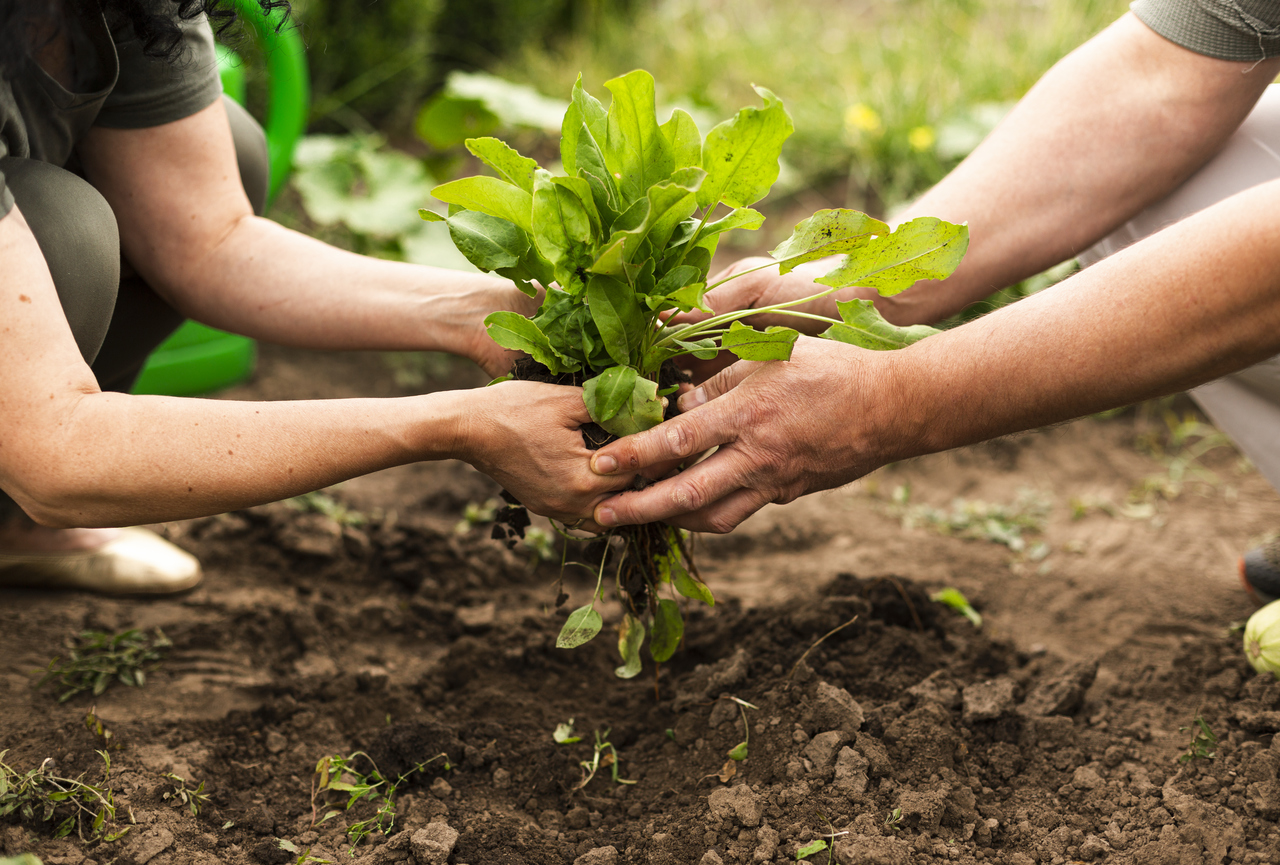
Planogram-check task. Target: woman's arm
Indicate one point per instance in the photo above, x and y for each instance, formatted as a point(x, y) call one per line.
point(187, 227)
point(71, 455)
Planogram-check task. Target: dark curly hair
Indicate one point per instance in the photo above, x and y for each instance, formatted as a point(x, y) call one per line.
point(154, 21)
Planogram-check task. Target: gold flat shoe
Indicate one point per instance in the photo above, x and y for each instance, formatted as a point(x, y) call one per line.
point(136, 562)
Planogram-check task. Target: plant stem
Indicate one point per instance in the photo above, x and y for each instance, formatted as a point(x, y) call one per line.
point(728, 317)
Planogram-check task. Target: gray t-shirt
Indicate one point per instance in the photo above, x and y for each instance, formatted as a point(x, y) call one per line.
point(1247, 30)
point(118, 87)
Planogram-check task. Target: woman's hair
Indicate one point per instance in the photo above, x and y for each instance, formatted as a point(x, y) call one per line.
point(154, 21)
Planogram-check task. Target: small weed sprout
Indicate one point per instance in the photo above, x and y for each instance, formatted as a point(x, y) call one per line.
point(320, 502)
point(815, 846)
point(40, 794)
point(1203, 742)
point(978, 520)
point(304, 855)
point(893, 822)
point(475, 514)
point(955, 599)
point(603, 755)
point(337, 774)
point(96, 659)
point(192, 797)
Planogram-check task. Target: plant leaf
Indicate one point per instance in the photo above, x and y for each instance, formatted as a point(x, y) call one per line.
point(690, 297)
point(641, 412)
point(924, 248)
point(608, 392)
point(563, 734)
point(740, 155)
point(691, 587)
point(739, 752)
point(635, 150)
point(616, 312)
point(582, 624)
point(488, 242)
point(489, 195)
point(826, 232)
point(630, 636)
point(748, 343)
point(955, 599)
point(742, 217)
point(809, 849)
point(582, 189)
point(585, 116)
point(668, 629)
point(864, 327)
point(562, 227)
point(684, 138)
point(505, 160)
point(514, 331)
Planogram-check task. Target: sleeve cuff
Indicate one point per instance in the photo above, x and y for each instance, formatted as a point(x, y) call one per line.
point(1242, 30)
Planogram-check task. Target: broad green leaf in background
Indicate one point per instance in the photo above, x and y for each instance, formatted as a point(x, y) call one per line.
point(561, 222)
point(668, 629)
point(924, 248)
point(354, 181)
point(641, 412)
point(630, 636)
point(606, 394)
point(582, 624)
point(489, 195)
point(746, 342)
point(690, 586)
point(827, 232)
point(741, 155)
point(514, 331)
point(684, 139)
point(505, 160)
point(488, 242)
point(864, 327)
point(616, 312)
point(636, 151)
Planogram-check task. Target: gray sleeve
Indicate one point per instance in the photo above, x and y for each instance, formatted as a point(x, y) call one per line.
point(1245, 30)
point(6, 197)
point(152, 91)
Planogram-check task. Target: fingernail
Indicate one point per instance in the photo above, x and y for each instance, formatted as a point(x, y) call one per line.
point(604, 465)
point(692, 399)
point(605, 517)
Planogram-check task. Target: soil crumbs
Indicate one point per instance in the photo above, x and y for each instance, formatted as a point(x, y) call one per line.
point(1060, 732)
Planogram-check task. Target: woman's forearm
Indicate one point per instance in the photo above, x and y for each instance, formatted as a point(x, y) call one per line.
point(1112, 128)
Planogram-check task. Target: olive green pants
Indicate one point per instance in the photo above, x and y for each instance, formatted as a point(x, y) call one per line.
point(116, 322)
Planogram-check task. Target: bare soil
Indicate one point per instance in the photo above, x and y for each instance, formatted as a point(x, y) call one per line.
point(1051, 735)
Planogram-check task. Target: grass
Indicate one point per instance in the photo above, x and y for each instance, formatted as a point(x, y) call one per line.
point(337, 774)
point(96, 659)
point(889, 95)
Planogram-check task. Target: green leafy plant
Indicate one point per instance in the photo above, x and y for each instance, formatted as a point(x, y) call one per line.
point(1203, 742)
point(96, 659)
point(603, 755)
point(86, 808)
point(813, 847)
point(303, 854)
point(193, 798)
point(893, 822)
point(622, 242)
point(338, 774)
point(955, 599)
point(320, 502)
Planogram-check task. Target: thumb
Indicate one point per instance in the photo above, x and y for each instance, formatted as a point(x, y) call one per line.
point(718, 385)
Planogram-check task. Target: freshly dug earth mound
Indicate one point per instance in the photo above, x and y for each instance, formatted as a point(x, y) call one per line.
point(909, 734)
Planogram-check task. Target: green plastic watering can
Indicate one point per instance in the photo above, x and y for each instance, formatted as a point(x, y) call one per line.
point(198, 359)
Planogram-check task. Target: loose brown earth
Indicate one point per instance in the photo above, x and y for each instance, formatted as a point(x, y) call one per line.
point(403, 639)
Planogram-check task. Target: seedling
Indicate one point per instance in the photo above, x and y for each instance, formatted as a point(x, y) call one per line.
point(893, 822)
point(563, 734)
point(622, 242)
point(320, 502)
point(304, 855)
point(96, 659)
point(337, 774)
point(1203, 742)
point(1004, 524)
point(820, 843)
point(193, 797)
point(955, 599)
point(39, 793)
point(603, 755)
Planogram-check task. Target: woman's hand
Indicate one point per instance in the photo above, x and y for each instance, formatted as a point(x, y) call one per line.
point(526, 436)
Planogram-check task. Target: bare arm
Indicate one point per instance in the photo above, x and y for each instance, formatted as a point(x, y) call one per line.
point(71, 455)
point(187, 227)
point(1188, 304)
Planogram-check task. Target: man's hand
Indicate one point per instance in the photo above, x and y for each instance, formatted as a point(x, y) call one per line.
point(783, 429)
point(526, 436)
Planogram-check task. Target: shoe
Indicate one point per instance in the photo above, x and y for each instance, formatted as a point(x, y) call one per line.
point(136, 562)
point(1260, 572)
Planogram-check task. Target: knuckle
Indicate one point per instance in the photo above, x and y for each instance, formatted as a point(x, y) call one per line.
point(721, 524)
point(680, 439)
point(687, 496)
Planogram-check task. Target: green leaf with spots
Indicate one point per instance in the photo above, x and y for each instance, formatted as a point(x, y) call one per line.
point(582, 624)
point(607, 393)
point(635, 150)
point(668, 630)
point(489, 195)
point(924, 248)
point(641, 412)
point(827, 232)
point(740, 155)
point(746, 342)
point(630, 637)
point(505, 160)
point(864, 327)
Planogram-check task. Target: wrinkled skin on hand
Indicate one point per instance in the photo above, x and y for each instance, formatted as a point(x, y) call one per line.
point(525, 435)
point(784, 429)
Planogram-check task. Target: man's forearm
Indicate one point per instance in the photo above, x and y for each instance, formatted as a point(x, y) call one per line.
point(1115, 126)
point(1186, 305)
